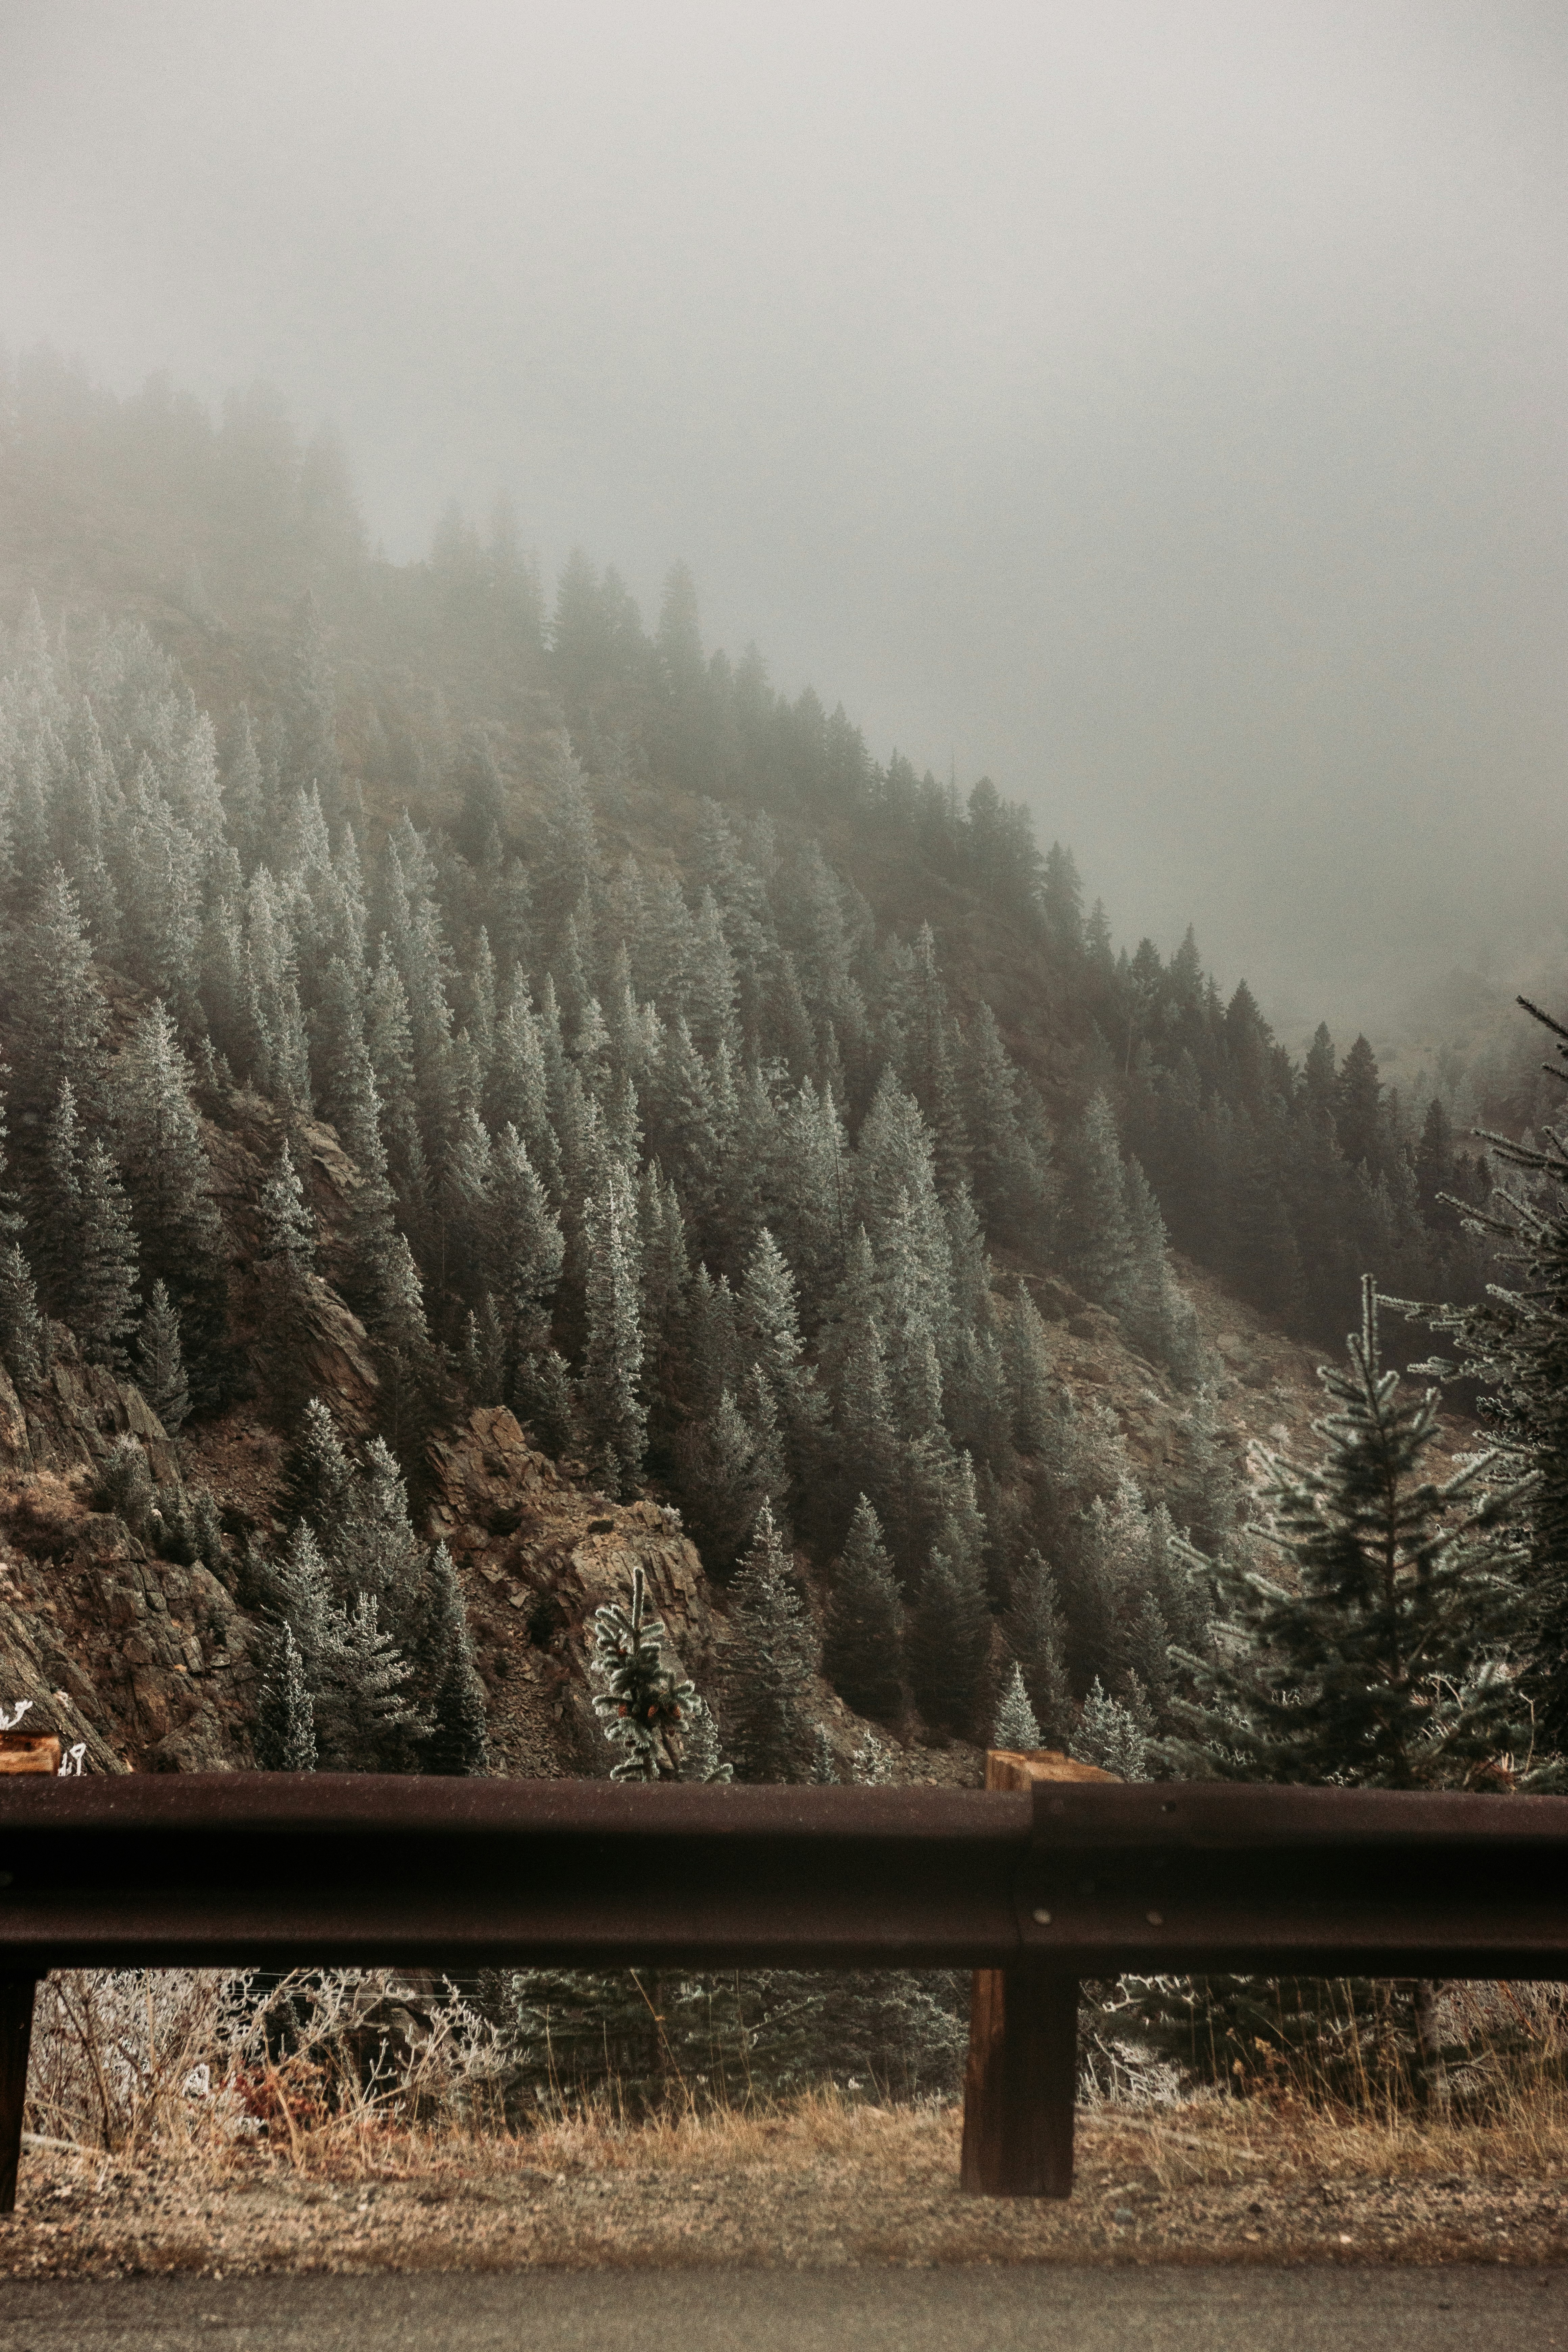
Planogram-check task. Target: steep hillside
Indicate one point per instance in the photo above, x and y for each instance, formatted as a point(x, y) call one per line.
point(489, 1104)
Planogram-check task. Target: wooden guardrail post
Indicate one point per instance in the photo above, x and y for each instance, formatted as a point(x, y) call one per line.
point(17, 1755)
point(1021, 2082)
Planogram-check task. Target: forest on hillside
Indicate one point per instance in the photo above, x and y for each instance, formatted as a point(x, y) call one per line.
point(651, 1011)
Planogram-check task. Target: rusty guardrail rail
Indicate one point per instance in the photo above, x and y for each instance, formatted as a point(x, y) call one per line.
point(1038, 1888)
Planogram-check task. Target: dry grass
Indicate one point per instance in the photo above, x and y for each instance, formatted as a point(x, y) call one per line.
point(308, 2163)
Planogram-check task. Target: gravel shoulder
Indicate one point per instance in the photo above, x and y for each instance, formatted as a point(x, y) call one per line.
point(825, 2185)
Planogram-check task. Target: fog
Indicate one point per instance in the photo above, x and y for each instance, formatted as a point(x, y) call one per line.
point(1158, 407)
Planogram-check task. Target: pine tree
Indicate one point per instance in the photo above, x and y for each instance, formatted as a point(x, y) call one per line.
point(57, 1008)
point(286, 1722)
point(1514, 1342)
point(458, 1741)
point(24, 1342)
point(169, 1184)
point(721, 1481)
point(287, 1227)
point(949, 1644)
point(1382, 1666)
point(643, 1710)
point(319, 1482)
point(611, 1398)
point(868, 1766)
point(1015, 1726)
point(863, 1643)
point(824, 1763)
point(379, 1554)
point(364, 1719)
point(103, 1293)
point(1109, 1735)
point(769, 1681)
point(162, 1365)
point(1038, 1640)
point(1094, 1232)
point(22, 1338)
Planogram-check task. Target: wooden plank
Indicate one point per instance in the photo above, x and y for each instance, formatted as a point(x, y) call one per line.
point(15, 2041)
point(19, 1752)
point(1021, 2083)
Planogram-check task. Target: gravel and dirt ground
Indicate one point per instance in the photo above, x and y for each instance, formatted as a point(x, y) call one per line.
point(827, 2183)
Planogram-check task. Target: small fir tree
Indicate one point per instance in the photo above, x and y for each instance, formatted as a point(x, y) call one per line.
point(459, 1735)
point(950, 1644)
point(1109, 1735)
point(104, 1297)
point(645, 1711)
point(863, 1644)
point(771, 1732)
point(162, 1365)
point(1015, 1727)
point(1515, 1341)
point(824, 1763)
point(22, 1338)
point(286, 1720)
point(1380, 1666)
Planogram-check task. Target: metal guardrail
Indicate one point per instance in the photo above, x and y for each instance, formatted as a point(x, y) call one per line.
point(1036, 1887)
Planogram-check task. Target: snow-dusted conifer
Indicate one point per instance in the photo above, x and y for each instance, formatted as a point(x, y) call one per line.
point(160, 1364)
point(1109, 1735)
point(612, 1403)
point(1015, 1726)
point(459, 1740)
point(863, 1643)
point(286, 1721)
point(772, 1651)
point(638, 1701)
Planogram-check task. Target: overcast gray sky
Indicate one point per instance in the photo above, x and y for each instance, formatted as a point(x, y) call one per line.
point(1159, 406)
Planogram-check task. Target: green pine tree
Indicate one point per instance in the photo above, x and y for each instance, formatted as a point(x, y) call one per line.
point(160, 1364)
point(863, 1643)
point(286, 1722)
point(659, 1724)
point(1015, 1726)
point(1514, 1342)
point(769, 1682)
point(1381, 1663)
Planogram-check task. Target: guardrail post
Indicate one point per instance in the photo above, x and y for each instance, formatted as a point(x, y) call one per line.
point(16, 2042)
point(1021, 2083)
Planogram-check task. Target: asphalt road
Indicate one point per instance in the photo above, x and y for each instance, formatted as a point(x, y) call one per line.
point(1048, 2308)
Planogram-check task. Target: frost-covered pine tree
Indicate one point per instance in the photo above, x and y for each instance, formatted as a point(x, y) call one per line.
point(773, 1654)
point(949, 1644)
point(287, 1225)
point(1015, 1726)
point(22, 1338)
point(1109, 1735)
point(160, 1363)
point(611, 1400)
point(458, 1741)
point(169, 1183)
point(824, 1763)
point(319, 1482)
point(104, 1297)
point(1038, 1637)
point(1514, 1342)
point(863, 1641)
point(1095, 1234)
point(286, 1721)
point(659, 1724)
point(1383, 1663)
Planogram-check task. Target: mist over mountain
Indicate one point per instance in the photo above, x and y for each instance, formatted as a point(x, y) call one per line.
point(1159, 414)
